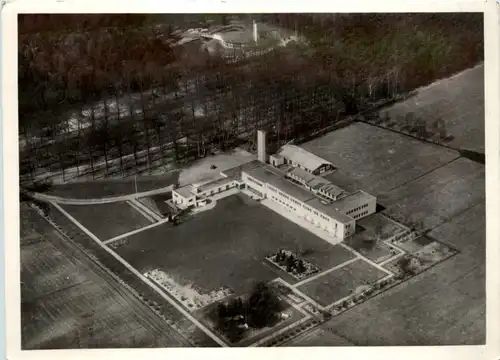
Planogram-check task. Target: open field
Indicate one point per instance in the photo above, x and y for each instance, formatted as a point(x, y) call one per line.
point(108, 220)
point(458, 101)
point(376, 160)
point(340, 283)
point(439, 195)
point(444, 305)
point(68, 302)
point(237, 233)
point(114, 187)
point(46, 270)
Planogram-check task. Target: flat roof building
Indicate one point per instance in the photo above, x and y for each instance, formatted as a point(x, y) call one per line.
point(273, 177)
point(294, 185)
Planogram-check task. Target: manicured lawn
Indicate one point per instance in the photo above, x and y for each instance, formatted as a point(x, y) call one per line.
point(376, 251)
point(415, 244)
point(107, 220)
point(340, 283)
point(227, 246)
point(380, 224)
point(157, 203)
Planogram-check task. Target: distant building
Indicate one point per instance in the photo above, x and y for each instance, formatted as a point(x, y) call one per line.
point(239, 40)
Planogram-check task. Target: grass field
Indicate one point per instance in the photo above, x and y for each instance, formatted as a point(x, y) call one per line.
point(342, 282)
point(108, 220)
point(114, 187)
point(376, 160)
point(66, 304)
point(226, 246)
point(157, 203)
point(458, 101)
point(415, 244)
point(47, 269)
point(380, 224)
point(376, 252)
point(369, 241)
point(439, 195)
point(319, 337)
point(444, 305)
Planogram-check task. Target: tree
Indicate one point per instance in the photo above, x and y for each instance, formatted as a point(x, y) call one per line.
point(300, 267)
point(263, 306)
point(290, 261)
point(222, 311)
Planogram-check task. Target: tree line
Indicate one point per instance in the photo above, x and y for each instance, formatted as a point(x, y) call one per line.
point(348, 63)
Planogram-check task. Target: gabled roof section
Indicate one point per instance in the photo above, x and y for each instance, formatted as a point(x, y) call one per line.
point(302, 157)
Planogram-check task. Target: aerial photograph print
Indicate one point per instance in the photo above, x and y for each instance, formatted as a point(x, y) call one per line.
point(251, 180)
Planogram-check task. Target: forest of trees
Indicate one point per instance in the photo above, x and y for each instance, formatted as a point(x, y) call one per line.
point(137, 94)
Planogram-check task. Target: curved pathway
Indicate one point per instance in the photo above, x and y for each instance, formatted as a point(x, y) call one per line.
point(104, 200)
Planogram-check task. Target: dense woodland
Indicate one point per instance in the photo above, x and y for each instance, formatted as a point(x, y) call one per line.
point(139, 95)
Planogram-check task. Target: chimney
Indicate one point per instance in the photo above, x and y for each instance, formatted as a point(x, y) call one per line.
point(255, 33)
point(261, 146)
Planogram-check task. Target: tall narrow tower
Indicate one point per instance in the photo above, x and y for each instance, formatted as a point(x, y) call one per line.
point(255, 32)
point(261, 146)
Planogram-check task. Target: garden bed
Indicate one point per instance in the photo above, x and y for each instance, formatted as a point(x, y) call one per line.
point(290, 263)
point(187, 295)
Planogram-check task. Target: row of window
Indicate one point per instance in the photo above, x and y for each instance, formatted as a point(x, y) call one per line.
point(357, 209)
point(360, 215)
point(272, 188)
point(315, 212)
point(284, 195)
point(255, 181)
point(219, 189)
point(283, 203)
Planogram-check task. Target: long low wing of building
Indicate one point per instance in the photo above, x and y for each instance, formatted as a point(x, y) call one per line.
point(269, 182)
point(295, 155)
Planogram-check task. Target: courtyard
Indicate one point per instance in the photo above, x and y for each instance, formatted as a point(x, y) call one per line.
point(226, 246)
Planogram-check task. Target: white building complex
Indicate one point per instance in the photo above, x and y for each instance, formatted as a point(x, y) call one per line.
point(292, 183)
